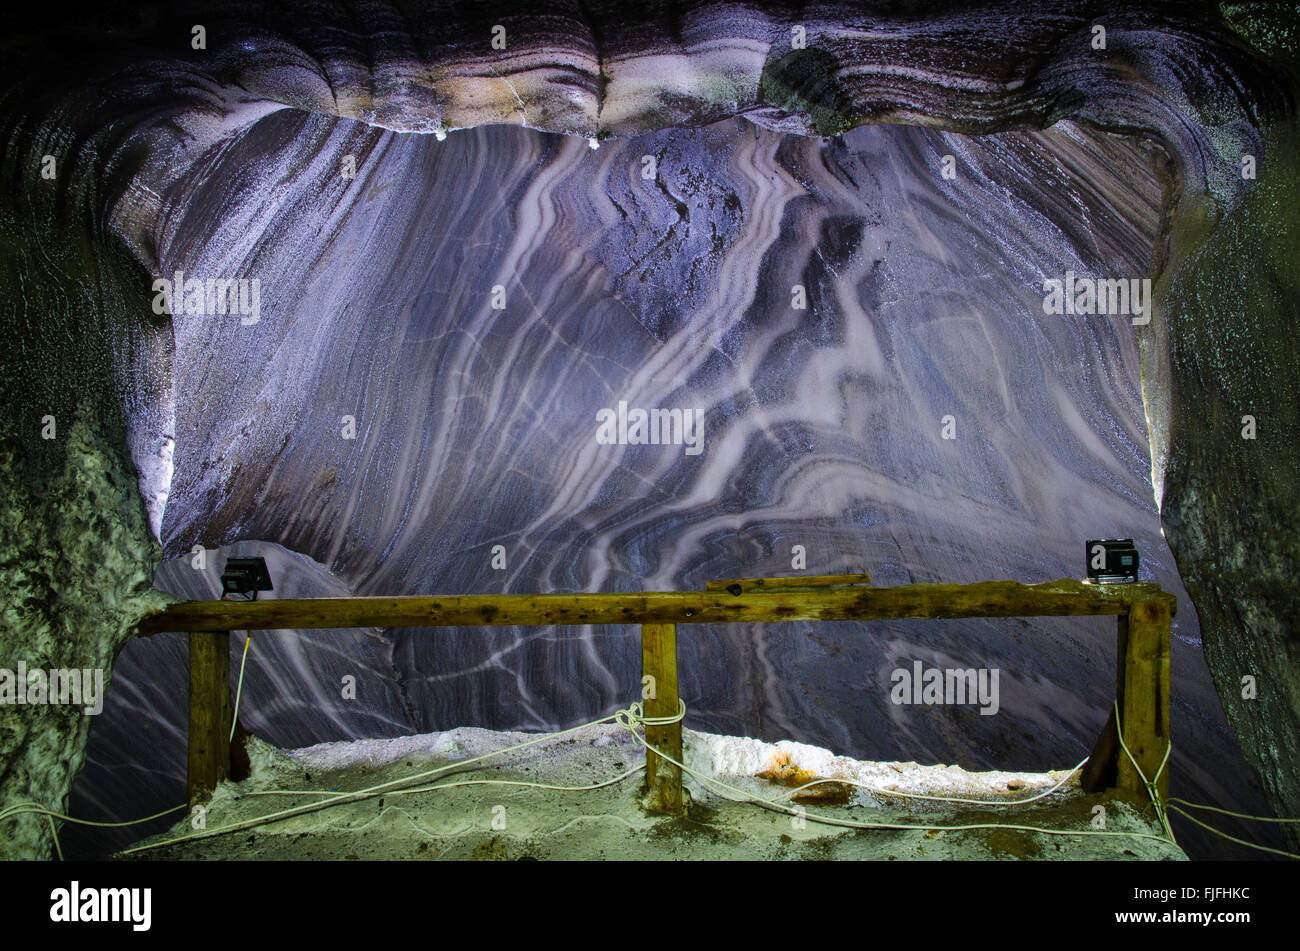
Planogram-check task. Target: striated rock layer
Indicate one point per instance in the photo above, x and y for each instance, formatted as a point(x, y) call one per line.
point(474, 426)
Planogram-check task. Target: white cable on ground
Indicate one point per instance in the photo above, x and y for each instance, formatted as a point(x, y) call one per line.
point(368, 793)
point(29, 808)
point(19, 808)
point(1228, 812)
point(1233, 838)
point(514, 782)
point(468, 782)
point(1163, 807)
point(1153, 791)
point(631, 719)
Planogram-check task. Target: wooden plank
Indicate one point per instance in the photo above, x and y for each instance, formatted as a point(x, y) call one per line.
point(209, 738)
point(786, 584)
point(1100, 772)
point(985, 599)
point(659, 660)
point(1144, 706)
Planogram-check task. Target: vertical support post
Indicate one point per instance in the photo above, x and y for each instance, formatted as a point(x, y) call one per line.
point(659, 661)
point(1144, 702)
point(1101, 770)
point(209, 740)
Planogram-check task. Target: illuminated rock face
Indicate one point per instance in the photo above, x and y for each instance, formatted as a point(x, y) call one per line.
point(435, 338)
point(824, 424)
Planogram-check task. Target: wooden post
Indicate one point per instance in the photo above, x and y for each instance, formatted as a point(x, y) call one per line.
point(659, 660)
point(1101, 770)
point(209, 740)
point(1144, 702)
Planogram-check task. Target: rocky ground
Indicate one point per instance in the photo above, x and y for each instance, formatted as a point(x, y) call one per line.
point(477, 814)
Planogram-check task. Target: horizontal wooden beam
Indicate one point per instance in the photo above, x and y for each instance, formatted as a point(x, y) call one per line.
point(785, 584)
point(985, 599)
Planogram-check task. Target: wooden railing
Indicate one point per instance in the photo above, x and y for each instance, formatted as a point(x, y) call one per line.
point(1142, 683)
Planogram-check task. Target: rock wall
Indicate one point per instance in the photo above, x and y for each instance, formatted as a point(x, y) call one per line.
point(1232, 499)
point(137, 119)
point(76, 562)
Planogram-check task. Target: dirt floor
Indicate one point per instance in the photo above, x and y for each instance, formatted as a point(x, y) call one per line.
point(498, 822)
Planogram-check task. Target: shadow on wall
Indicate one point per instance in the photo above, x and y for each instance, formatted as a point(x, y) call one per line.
point(293, 696)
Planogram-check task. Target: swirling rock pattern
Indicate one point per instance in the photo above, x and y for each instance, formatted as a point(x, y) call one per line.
point(475, 425)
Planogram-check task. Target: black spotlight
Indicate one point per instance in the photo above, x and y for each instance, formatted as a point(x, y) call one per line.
point(1111, 560)
point(246, 577)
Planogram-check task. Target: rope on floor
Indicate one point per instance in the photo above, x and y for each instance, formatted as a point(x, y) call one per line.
point(633, 720)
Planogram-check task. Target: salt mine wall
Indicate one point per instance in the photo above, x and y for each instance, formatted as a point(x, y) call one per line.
point(863, 336)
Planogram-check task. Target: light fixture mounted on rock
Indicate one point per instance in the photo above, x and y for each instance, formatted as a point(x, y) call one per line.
point(245, 576)
point(1111, 560)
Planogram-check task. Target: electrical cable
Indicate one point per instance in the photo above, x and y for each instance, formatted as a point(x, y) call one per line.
point(368, 793)
point(631, 719)
point(239, 691)
point(29, 807)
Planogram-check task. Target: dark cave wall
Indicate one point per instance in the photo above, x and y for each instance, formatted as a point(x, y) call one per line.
point(1232, 504)
point(76, 551)
point(75, 569)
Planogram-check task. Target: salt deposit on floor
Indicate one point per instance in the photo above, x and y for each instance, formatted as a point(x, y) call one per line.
point(488, 809)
